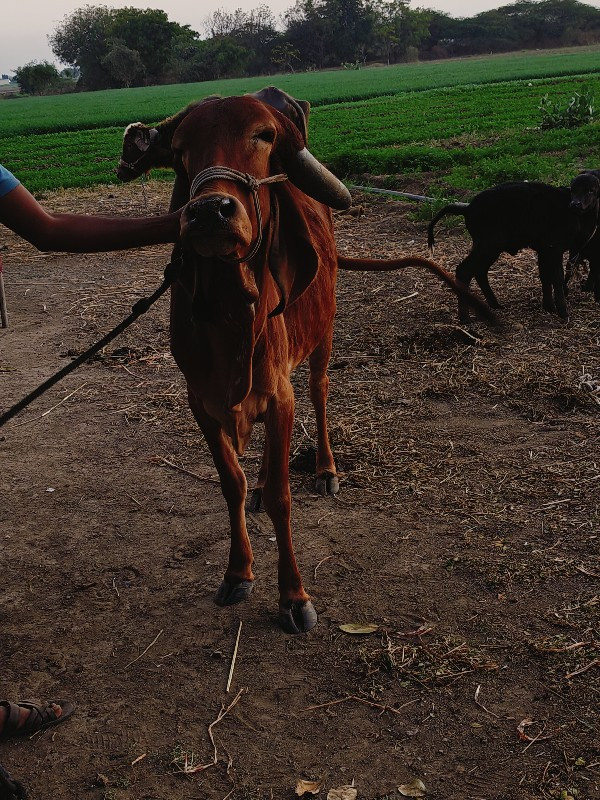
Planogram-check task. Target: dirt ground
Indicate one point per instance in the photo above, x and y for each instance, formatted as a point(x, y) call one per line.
point(466, 529)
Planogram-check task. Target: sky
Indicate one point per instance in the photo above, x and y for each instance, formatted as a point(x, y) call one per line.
point(25, 24)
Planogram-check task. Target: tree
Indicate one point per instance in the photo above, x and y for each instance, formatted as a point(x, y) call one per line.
point(284, 55)
point(81, 40)
point(349, 27)
point(86, 39)
point(306, 32)
point(397, 28)
point(220, 23)
point(255, 31)
point(150, 33)
point(38, 77)
point(125, 65)
point(210, 59)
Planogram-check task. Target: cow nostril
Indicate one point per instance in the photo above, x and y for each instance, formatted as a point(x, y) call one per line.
point(192, 211)
point(227, 208)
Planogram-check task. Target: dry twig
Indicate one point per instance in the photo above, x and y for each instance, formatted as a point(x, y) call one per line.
point(152, 643)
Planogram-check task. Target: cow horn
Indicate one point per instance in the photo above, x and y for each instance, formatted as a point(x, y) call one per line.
point(317, 181)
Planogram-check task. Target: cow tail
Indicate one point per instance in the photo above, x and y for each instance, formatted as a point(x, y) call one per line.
point(389, 265)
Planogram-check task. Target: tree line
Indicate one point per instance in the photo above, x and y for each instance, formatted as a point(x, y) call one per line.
point(108, 48)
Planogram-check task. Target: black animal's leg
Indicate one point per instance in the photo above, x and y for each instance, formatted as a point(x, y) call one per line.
point(572, 264)
point(476, 264)
point(484, 285)
point(545, 271)
point(558, 282)
point(552, 278)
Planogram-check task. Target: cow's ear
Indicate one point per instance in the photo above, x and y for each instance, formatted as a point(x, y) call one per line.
point(294, 252)
point(144, 137)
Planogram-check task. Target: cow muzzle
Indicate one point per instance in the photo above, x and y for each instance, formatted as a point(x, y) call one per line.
point(217, 225)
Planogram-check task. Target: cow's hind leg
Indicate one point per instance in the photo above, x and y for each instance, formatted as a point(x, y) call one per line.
point(326, 481)
point(296, 612)
point(237, 583)
point(255, 502)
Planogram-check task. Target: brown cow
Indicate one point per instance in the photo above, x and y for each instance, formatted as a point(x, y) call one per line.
point(256, 298)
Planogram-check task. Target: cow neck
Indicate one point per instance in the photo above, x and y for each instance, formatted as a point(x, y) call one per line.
point(230, 304)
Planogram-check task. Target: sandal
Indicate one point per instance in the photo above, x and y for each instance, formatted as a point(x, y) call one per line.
point(41, 716)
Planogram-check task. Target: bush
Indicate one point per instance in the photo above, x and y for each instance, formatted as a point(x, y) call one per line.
point(578, 111)
point(38, 78)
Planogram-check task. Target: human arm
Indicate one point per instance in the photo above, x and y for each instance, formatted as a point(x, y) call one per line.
point(78, 233)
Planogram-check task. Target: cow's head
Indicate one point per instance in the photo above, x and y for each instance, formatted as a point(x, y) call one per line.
point(227, 214)
point(585, 192)
point(139, 151)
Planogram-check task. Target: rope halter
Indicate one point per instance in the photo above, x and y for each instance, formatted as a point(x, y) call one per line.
point(575, 258)
point(251, 183)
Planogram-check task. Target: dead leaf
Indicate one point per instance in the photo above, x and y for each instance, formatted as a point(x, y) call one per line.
point(415, 788)
point(342, 793)
point(308, 787)
point(359, 627)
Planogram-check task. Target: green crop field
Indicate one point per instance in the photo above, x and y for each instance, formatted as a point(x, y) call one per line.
point(457, 125)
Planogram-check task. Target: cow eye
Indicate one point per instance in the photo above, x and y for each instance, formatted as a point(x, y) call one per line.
point(266, 135)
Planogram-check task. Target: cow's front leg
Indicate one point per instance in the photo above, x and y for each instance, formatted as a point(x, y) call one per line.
point(296, 612)
point(237, 584)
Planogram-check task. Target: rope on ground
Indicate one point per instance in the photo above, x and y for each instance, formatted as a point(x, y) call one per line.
point(139, 308)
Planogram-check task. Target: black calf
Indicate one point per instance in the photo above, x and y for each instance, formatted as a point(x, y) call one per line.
point(590, 252)
point(513, 216)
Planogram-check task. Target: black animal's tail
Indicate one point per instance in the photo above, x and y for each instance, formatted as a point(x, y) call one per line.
point(453, 208)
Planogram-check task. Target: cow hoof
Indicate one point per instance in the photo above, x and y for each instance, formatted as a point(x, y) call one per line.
point(297, 617)
point(327, 485)
point(254, 504)
point(228, 594)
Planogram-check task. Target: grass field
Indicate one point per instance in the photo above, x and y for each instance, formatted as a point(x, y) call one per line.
point(471, 122)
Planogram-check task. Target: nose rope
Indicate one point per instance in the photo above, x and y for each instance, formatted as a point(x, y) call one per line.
point(247, 180)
